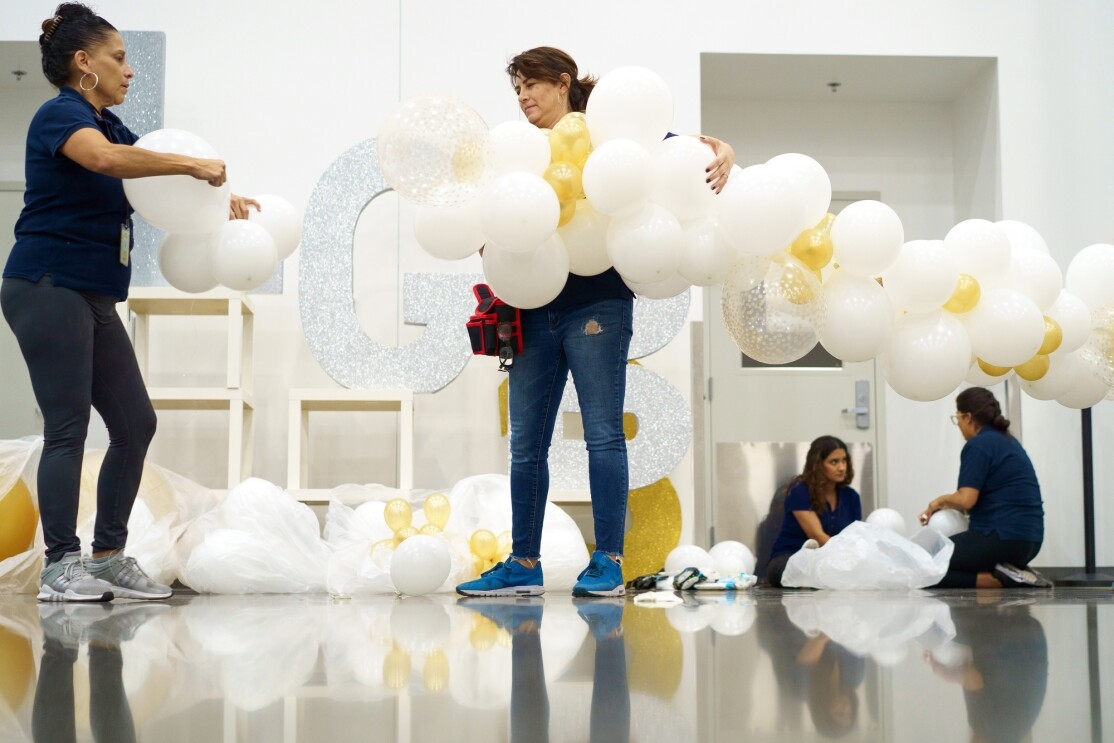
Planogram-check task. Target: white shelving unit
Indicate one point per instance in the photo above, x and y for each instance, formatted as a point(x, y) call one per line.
point(144, 304)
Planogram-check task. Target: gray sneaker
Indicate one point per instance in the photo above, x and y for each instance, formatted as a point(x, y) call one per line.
point(68, 624)
point(68, 580)
point(127, 578)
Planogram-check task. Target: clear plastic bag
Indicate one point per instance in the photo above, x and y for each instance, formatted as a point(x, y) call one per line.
point(871, 557)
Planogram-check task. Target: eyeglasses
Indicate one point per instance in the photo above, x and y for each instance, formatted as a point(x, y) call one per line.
point(955, 418)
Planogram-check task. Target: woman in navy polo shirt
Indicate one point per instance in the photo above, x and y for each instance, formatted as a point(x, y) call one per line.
point(67, 270)
point(820, 504)
point(998, 488)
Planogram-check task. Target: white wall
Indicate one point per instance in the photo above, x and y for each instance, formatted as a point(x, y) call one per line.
point(282, 91)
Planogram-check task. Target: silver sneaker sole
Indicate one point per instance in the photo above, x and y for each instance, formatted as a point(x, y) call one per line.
point(131, 593)
point(46, 593)
point(619, 590)
point(512, 591)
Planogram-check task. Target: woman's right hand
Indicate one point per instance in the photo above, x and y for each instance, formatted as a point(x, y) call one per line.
point(212, 171)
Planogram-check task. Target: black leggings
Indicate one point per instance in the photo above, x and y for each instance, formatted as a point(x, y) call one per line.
point(79, 357)
point(978, 553)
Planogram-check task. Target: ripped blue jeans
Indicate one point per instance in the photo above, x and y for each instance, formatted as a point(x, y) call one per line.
point(591, 341)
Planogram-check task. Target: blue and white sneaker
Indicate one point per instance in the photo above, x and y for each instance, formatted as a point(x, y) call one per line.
point(510, 578)
point(602, 577)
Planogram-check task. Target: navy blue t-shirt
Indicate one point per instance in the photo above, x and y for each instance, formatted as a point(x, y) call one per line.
point(994, 463)
point(849, 509)
point(71, 219)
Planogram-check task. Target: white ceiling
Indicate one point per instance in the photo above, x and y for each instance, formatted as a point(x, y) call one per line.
point(22, 55)
point(793, 77)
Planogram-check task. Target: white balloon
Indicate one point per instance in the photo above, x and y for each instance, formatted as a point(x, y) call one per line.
point(630, 103)
point(449, 232)
point(923, 277)
point(927, 357)
point(1057, 381)
point(983, 250)
point(810, 178)
point(244, 256)
point(1036, 275)
point(707, 255)
point(585, 237)
point(888, 518)
point(279, 217)
point(186, 261)
point(1086, 389)
point(859, 318)
point(1074, 319)
point(689, 619)
point(519, 211)
point(689, 556)
point(519, 145)
point(867, 237)
point(419, 625)
point(948, 521)
point(1022, 236)
point(732, 558)
point(527, 280)
point(420, 565)
point(1090, 275)
point(680, 180)
point(645, 246)
point(618, 177)
point(668, 287)
point(732, 620)
point(1006, 327)
point(760, 210)
point(178, 203)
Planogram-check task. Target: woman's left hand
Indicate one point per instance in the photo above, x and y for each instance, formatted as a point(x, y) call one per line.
point(238, 207)
point(720, 168)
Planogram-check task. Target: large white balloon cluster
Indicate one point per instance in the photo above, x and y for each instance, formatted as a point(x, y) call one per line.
point(202, 247)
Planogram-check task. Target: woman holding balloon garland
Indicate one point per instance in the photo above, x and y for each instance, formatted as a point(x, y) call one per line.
point(587, 331)
point(999, 490)
point(67, 270)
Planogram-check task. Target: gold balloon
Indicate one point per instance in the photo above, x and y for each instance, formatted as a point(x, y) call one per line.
point(18, 662)
point(965, 296)
point(484, 633)
point(795, 285)
point(568, 211)
point(566, 181)
point(397, 513)
point(388, 543)
point(469, 163)
point(435, 671)
point(430, 529)
point(569, 140)
point(826, 223)
point(484, 544)
point(396, 669)
point(505, 542)
point(991, 369)
point(478, 564)
point(404, 533)
point(812, 248)
point(1034, 368)
point(437, 509)
point(1053, 337)
point(18, 520)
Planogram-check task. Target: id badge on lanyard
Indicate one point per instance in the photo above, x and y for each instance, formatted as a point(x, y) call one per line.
point(125, 243)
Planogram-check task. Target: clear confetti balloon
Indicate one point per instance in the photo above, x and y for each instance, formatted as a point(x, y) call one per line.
point(1098, 352)
point(434, 151)
point(772, 307)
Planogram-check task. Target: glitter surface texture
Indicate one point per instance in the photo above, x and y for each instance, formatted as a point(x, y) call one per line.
point(656, 322)
point(441, 302)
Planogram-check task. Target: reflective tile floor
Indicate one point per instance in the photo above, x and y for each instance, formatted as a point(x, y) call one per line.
point(761, 665)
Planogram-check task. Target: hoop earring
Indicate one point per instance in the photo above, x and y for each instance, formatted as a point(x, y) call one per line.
point(96, 81)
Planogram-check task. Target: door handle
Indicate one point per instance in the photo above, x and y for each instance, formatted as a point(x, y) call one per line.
point(861, 411)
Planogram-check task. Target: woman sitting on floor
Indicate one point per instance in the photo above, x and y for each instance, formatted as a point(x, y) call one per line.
point(820, 504)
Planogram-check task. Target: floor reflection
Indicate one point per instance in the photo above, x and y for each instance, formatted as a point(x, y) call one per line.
point(761, 665)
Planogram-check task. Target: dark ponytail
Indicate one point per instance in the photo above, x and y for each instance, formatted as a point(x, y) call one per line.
point(983, 408)
point(548, 63)
point(73, 27)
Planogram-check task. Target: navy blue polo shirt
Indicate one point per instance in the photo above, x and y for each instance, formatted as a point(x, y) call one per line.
point(848, 510)
point(71, 218)
point(994, 463)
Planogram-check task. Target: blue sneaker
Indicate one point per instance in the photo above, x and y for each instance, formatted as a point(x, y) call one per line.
point(602, 577)
point(603, 615)
point(514, 614)
point(510, 578)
